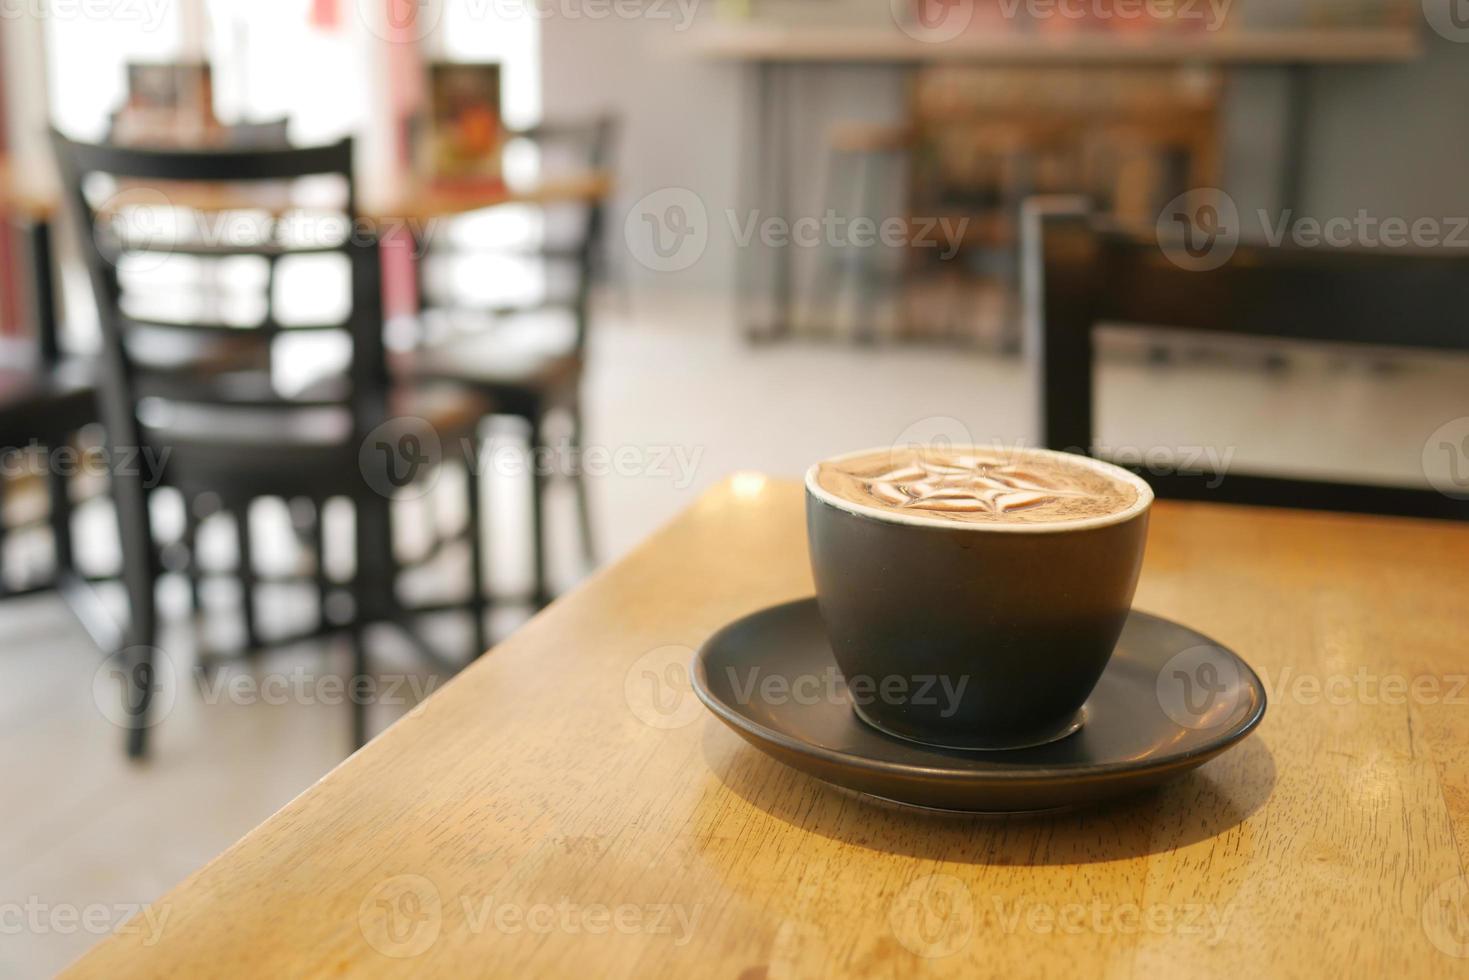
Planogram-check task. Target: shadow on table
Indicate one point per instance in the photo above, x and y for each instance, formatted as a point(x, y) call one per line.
point(1197, 806)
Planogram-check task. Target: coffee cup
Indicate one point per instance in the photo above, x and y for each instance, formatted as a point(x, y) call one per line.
point(973, 596)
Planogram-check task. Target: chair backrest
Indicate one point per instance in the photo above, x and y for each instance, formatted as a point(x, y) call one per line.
point(1080, 273)
point(271, 133)
point(209, 189)
point(587, 146)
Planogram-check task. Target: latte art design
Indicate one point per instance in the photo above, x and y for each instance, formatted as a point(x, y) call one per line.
point(963, 485)
point(978, 485)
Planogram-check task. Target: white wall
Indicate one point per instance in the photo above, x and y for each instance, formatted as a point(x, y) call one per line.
point(680, 121)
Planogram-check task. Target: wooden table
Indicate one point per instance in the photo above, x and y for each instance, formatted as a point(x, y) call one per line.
point(414, 203)
point(870, 45)
point(545, 815)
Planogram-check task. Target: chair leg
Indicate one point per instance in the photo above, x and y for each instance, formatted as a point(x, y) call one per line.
point(356, 687)
point(138, 681)
point(191, 547)
point(247, 579)
point(583, 499)
point(318, 560)
point(539, 481)
point(60, 492)
point(479, 605)
point(3, 587)
point(139, 573)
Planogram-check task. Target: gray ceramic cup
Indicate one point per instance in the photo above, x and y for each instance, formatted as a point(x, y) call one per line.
point(969, 635)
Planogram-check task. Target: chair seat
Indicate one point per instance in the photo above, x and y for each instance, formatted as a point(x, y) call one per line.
point(310, 451)
point(40, 404)
point(517, 378)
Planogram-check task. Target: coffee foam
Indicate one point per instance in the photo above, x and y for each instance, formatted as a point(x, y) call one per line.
point(1025, 489)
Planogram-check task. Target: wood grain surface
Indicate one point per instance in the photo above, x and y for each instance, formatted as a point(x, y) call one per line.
point(566, 808)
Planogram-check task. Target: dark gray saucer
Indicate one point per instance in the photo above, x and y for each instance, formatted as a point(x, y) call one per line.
point(1146, 722)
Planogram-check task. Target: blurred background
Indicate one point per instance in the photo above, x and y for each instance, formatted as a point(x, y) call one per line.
point(338, 337)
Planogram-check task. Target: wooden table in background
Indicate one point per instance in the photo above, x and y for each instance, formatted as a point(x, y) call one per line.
point(412, 203)
point(545, 814)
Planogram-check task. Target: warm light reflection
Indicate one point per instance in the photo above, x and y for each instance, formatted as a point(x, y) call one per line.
point(748, 485)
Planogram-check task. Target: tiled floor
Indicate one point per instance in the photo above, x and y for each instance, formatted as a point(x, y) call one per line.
point(681, 403)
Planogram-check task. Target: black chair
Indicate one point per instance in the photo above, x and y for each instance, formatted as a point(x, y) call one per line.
point(1080, 273)
point(225, 429)
point(531, 386)
point(45, 399)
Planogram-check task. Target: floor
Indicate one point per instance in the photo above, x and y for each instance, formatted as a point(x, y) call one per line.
point(677, 402)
